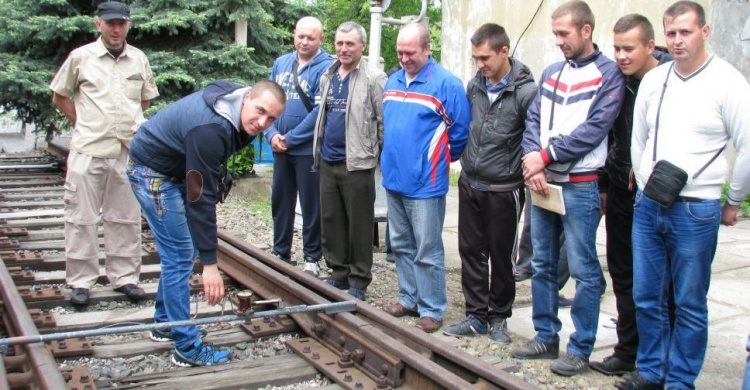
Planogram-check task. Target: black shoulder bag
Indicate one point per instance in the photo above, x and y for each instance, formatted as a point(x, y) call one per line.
point(667, 180)
point(302, 95)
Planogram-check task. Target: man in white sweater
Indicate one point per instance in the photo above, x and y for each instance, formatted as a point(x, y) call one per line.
point(688, 111)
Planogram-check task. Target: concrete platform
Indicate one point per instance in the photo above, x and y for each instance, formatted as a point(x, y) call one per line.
point(728, 302)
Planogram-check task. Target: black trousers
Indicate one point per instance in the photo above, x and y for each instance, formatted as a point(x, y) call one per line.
point(347, 204)
point(619, 221)
point(488, 244)
point(290, 175)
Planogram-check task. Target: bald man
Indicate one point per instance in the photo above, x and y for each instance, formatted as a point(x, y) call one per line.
point(291, 138)
point(426, 117)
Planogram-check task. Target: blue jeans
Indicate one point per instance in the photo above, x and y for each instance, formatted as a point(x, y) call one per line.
point(162, 200)
point(673, 245)
point(416, 227)
point(746, 384)
point(579, 223)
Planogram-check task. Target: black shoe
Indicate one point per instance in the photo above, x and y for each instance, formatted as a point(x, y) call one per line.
point(339, 284)
point(637, 382)
point(569, 365)
point(164, 334)
point(132, 291)
point(521, 276)
point(534, 349)
point(357, 293)
point(79, 297)
point(285, 258)
point(499, 331)
point(612, 365)
point(390, 257)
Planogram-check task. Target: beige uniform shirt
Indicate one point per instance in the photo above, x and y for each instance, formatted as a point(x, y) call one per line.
point(107, 94)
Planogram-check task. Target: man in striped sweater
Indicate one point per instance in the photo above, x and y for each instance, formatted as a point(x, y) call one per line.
point(574, 109)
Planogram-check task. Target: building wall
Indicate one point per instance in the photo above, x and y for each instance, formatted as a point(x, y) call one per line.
point(16, 137)
point(537, 48)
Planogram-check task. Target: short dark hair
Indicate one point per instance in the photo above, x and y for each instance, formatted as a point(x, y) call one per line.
point(268, 85)
point(683, 7)
point(349, 26)
point(631, 21)
point(579, 11)
point(492, 33)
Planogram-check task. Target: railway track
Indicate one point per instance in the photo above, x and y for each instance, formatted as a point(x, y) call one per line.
point(362, 349)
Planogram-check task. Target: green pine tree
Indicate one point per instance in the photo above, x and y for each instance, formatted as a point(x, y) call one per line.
point(188, 42)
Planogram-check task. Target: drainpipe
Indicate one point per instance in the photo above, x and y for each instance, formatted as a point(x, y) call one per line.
point(377, 7)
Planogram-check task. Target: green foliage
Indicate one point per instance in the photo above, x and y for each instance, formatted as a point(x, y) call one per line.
point(189, 44)
point(243, 162)
point(453, 176)
point(744, 206)
point(338, 11)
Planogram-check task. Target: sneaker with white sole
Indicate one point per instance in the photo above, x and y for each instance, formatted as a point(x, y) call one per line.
point(165, 334)
point(468, 327)
point(535, 349)
point(200, 354)
point(569, 365)
point(312, 269)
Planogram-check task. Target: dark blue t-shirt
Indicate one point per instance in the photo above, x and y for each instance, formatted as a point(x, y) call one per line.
point(334, 141)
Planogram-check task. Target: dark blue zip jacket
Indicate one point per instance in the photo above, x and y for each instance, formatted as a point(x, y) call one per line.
point(195, 135)
point(296, 124)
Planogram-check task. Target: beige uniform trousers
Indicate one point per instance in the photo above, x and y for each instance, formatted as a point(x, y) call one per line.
point(98, 189)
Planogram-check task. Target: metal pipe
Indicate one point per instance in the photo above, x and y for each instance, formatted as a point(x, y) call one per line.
point(398, 22)
point(329, 308)
point(376, 17)
point(32, 166)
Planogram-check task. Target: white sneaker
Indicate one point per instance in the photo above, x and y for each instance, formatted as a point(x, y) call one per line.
point(312, 269)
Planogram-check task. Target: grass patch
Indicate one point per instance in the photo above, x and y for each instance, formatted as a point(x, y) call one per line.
point(262, 207)
point(744, 206)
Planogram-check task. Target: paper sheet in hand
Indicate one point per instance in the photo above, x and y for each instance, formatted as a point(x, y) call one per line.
point(554, 202)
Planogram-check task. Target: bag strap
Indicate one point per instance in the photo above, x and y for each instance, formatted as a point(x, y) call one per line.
point(656, 127)
point(303, 96)
point(708, 163)
point(658, 110)
point(554, 95)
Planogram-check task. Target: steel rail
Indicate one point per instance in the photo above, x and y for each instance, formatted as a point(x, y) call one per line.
point(41, 361)
point(428, 361)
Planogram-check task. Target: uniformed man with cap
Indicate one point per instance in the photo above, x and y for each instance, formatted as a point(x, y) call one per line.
point(103, 88)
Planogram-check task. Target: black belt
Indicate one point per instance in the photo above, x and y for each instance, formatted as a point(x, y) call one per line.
point(689, 199)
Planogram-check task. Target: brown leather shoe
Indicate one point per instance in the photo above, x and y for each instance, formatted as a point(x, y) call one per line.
point(398, 310)
point(429, 324)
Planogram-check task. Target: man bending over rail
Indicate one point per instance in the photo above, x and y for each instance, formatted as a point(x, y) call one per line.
point(176, 169)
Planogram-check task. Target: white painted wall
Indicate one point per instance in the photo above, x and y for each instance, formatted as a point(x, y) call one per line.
point(537, 49)
point(15, 137)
